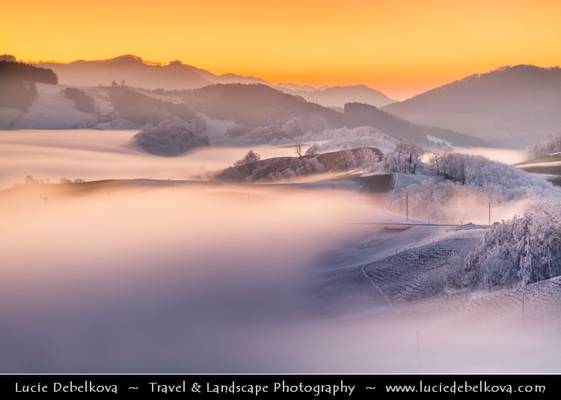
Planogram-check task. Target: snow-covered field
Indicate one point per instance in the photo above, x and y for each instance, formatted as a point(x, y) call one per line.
point(51, 110)
point(186, 276)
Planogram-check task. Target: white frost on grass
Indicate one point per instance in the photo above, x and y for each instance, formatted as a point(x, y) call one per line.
point(50, 110)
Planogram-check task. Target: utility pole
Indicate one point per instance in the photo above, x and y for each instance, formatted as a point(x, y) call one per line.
point(523, 303)
point(407, 205)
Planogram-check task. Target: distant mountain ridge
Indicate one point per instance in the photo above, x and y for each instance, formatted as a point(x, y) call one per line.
point(175, 75)
point(338, 96)
point(257, 111)
point(521, 103)
point(287, 115)
point(136, 72)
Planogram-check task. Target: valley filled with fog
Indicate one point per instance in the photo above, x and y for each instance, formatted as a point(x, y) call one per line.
point(94, 154)
point(358, 187)
point(135, 262)
point(158, 217)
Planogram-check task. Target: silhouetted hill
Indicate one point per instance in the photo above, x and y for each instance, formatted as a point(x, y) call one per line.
point(139, 73)
point(15, 70)
point(260, 105)
point(250, 105)
point(8, 57)
point(338, 96)
point(521, 103)
point(136, 72)
point(136, 107)
point(17, 83)
point(357, 114)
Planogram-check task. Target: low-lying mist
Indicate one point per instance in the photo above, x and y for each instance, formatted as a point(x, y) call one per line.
point(504, 155)
point(169, 277)
point(145, 279)
point(90, 154)
point(212, 278)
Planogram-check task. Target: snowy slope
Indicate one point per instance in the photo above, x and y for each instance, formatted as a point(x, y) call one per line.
point(51, 110)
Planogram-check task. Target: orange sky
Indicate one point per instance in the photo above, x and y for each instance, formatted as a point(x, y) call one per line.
point(401, 47)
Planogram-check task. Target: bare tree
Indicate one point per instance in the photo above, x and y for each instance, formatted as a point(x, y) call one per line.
point(298, 149)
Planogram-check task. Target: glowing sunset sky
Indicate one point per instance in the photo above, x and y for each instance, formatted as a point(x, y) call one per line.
point(400, 47)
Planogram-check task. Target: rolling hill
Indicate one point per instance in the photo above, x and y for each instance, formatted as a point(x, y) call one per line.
point(259, 112)
point(136, 72)
point(260, 105)
point(338, 96)
point(520, 103)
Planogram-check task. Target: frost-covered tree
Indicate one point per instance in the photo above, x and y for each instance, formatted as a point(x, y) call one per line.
point(438, 159)
point(171, 137)
point(444, 202)
point(404, 159)
point(277, 168)
point(250, 157)
point(480, 171)
point(463, 187)
point(521, 251)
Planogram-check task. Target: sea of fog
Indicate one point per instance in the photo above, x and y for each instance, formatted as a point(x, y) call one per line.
point(95, 154)
point(205, 278)
point(214, 279)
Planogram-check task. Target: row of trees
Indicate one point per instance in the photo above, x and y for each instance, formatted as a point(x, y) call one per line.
point(503, 182)
point(404, 159)
point(479, 171)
